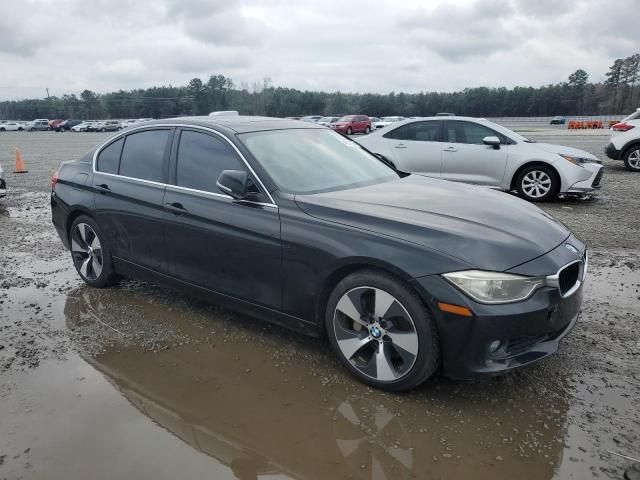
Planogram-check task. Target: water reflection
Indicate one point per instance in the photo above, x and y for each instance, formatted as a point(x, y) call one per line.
point(237, 401)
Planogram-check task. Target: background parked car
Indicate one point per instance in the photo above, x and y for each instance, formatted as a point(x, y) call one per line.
point(386, 121)
point(627, 123)
point(83, 126)
point(326, 121)
point(480, 152)
point(53, 124)
point(558, 120)
point(351, 124)
point(374, 120)
point(624, 143)
point(105, 126)
point(11, 127)
point(3, 185)
point(39, 124)
point(311, 118)
point(66, 125)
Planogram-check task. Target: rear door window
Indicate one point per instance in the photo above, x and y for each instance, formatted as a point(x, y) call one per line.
point(416, 131)
point(201, 159)
point(109, 157)
point(143, 155)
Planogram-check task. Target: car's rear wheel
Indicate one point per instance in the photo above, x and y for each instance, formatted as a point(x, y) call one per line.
point(381, 331)
point(103, 129)
point(349, 131)
point(90, 253)
point(537, 183)
point(367, 130)
point(632, 159)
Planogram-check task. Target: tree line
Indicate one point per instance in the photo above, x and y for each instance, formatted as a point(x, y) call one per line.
point(618, 94)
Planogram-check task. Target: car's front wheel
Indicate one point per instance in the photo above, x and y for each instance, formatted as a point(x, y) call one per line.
point(537, 183)
point(632, 159)
point(349, 131)
point(381, 331)
point(90, 253)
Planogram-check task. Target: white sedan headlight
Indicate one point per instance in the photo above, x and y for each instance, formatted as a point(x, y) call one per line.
point(494, 287)
point(579, 161)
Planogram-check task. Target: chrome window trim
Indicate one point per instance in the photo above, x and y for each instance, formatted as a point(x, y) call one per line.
point(129, 130)
point(217, 195)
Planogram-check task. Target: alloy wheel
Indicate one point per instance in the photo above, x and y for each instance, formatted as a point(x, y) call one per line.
point(634, 159)
point(86, 251)
point(375, 333)
point(536, 183)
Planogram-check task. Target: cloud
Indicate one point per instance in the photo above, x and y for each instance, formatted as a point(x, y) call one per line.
point(354, 46)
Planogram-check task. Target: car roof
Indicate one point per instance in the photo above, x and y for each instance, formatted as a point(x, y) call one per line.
point(238, 124)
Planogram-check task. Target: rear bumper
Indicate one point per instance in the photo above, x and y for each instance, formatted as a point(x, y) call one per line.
point(3, 188)
point(59, 216)
point(612, 152)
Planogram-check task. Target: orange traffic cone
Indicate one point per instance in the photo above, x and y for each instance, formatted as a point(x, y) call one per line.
point(20, 168)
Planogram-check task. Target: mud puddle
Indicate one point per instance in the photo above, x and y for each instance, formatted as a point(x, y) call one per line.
point(181, 389)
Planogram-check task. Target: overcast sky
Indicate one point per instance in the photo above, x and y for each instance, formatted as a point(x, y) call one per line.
point(347, 45)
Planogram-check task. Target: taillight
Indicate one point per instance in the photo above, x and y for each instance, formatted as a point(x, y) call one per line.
point(622, 127)
point(54, 180)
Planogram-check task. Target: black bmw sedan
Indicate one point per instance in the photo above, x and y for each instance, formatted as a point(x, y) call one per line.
point(296, 224)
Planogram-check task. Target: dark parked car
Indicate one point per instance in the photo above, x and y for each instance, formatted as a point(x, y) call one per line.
point(298, 225)
point(67, 124)
point(558, 121)
point(350, 124)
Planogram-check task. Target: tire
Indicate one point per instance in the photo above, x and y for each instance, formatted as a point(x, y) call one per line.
point(32, 129)
point(632, 159)
point(3, 129)
point(537, 183)
point(361, 343)
point(103, 130)
point(367, 130)
point(349, 131)
point(20, 129)
point(90, 253)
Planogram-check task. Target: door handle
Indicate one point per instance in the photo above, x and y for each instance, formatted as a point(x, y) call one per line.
point(399, 145)
point(104, 187)
point(451, 149)
point(176, 208)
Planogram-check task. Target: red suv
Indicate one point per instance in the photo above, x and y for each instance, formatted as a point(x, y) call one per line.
point(352, 124)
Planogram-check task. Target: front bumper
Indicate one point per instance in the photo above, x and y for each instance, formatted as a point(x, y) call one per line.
point(528, 331)
point(594, 182)
point(612, 152)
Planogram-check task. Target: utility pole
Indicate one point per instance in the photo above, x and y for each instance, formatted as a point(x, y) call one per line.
point(47, 89)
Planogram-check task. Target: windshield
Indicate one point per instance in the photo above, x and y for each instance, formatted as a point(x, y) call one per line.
point(315, 160)
point(391, 119)
point(348, 118)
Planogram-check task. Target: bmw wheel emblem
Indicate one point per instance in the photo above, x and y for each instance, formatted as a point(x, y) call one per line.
point(571, 248)
point(375, 332)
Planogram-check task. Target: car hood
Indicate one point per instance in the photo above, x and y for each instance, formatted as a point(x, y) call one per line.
point(560, 149)
point(486, 229)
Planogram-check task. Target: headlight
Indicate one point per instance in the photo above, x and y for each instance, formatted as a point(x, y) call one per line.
point(579, 161)
point(494, 287)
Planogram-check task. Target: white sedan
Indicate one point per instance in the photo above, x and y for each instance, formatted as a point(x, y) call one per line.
point(476, 151)
point(11, 127)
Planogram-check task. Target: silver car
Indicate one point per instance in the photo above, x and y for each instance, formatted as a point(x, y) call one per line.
point(480, 152)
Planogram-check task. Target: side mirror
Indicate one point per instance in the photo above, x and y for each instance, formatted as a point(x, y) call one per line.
point(234, 183)
point(493, 141)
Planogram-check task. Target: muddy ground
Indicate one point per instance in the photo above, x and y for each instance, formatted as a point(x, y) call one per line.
point(140, 382)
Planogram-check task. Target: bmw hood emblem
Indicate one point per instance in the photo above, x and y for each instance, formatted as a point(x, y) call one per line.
point(571, 248)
